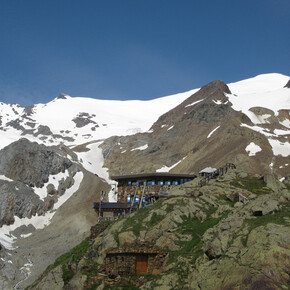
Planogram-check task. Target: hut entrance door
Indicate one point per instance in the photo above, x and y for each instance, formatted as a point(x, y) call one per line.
point(141, 264)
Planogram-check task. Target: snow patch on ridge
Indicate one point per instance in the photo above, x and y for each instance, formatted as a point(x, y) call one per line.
point(252, 149)
point(280, 148)
point(167, 169)
point(194, 103)
point(144, 147)
point(3, 177)
point(209, 135)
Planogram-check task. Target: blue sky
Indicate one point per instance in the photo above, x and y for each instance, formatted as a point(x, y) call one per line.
point(133, 49)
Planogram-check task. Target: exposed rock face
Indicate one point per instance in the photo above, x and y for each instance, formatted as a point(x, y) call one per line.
point(31, 163)
point(84, 119)
point(29, 166)
point(287, 85)
point(17, 199)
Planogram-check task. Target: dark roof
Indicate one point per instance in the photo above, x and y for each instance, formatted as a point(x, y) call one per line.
point(155, 174)
point(111, 205)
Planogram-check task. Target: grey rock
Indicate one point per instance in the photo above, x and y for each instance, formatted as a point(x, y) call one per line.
point(31, 163)
point(273, 183)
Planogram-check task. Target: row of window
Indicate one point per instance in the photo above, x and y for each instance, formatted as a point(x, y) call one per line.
point(161, 182)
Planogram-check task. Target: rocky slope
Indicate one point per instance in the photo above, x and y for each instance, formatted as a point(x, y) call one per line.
point(206, 130)
point(212, 240)
point(46, 198)
point(25, 168)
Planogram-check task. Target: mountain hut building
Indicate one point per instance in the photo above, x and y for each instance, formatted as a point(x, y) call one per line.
point(139, 190)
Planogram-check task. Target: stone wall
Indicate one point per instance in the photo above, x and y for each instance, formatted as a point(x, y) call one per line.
point(125, 263)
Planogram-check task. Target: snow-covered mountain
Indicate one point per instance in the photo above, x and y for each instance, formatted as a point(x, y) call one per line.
point(78, 120)
point(246, 123)
point(79, 142)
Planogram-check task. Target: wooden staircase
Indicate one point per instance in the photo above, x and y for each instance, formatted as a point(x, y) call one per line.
point(219, 172)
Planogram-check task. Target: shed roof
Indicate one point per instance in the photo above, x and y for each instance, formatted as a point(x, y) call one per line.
point(208, 170)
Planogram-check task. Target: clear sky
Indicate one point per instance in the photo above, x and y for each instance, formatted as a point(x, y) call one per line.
point(136, 49)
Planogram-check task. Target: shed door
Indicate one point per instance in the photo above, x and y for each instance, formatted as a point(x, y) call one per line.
point(141, 264)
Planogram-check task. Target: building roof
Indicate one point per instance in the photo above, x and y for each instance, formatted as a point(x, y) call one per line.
point(208, 170)
point(154, 174)
point(111, 205)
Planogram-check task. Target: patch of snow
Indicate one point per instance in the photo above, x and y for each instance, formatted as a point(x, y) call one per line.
point(167, 169)
point(218, 102)
point(144, 147)
point(260, 119)
point(3, 177)
point(281, 132)
point(209, 135)
point(280, 148)
point(194, 103)
point(25, 235)
point(53, 179)
point(170, 128)
point(282, 179)
point(252, 149)
point(162, 126)
point(123, 151)
point(93, 160)
point(286, 123)
point(258, 129)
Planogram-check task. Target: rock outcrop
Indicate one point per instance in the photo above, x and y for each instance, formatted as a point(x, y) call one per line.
point(27, 167)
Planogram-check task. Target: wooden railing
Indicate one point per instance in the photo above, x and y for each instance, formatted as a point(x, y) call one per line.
point(219, 172)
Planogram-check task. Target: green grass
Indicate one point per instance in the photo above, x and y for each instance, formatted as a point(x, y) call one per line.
point(196, 228)
point(251, 183)
point(136, 223)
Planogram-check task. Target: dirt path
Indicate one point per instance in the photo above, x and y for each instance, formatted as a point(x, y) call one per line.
point(69, 226)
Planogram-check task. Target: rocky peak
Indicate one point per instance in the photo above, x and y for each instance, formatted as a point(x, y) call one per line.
point(216, 85)
point(209, 97)
point(62, 96)
point(287, 85)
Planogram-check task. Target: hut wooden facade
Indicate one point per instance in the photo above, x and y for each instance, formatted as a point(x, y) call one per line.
point(148, 187)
